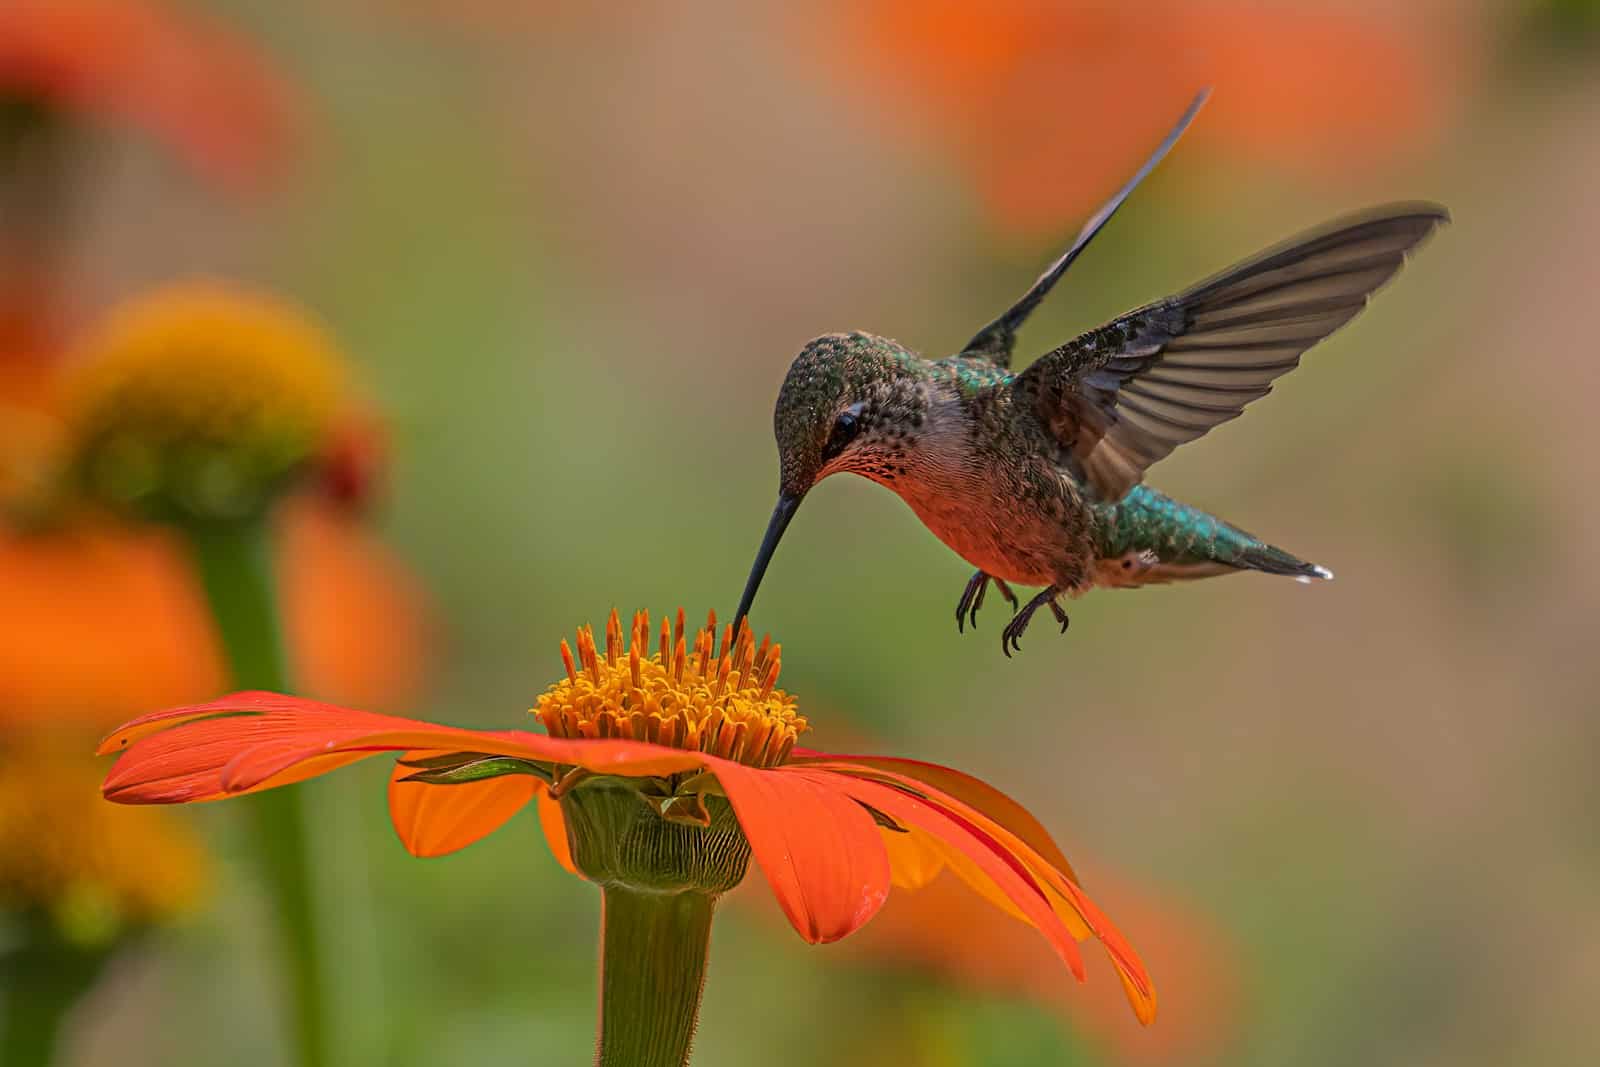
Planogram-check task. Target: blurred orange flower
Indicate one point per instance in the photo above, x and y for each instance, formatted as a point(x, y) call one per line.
point(1049, 106)
point(936, 930)
point(162, 66)
point(102, 619)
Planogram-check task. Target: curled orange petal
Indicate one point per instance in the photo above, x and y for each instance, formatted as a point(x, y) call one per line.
point(1067, 901)
point(974, 792)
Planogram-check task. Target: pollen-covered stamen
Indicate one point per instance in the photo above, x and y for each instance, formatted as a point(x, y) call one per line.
point(724, 704)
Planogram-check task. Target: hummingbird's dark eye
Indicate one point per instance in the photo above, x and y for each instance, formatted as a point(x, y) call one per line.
point(845, 428)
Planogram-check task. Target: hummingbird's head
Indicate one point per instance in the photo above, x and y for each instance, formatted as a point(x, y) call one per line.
point(840, 402)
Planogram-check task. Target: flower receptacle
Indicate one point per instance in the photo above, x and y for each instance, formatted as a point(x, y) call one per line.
point(620, 838)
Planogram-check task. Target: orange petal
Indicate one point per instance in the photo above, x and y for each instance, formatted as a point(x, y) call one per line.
point(926, 780)
point(436, 820)
point(250, 741)
point(974, 792)
point(992, 861)
point(554, 825)
point(819, 849)
point(1069, 903)
point(980, 883)
point(914, 859)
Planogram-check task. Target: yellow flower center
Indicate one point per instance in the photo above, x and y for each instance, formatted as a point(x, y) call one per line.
point(202, 398)
point(692, 698)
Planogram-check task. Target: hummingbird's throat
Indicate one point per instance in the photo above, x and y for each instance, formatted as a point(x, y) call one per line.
point(680, 696)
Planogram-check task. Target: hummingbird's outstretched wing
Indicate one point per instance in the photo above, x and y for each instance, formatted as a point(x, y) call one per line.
point(995, 341)
point(1119, 398)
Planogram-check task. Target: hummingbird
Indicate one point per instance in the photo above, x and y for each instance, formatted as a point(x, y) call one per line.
point(1035, 477)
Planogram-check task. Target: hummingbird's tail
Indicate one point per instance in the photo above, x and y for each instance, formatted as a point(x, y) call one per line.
point(1147, 538)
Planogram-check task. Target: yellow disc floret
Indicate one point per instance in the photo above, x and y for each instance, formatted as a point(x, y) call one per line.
point(693, 698)
point(201, 401)
point(91, 868)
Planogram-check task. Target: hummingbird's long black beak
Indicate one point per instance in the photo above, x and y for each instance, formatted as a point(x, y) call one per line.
point(781, 514)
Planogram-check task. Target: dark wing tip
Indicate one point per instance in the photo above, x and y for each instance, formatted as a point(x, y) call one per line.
point(1424, 212)
point(996, 340)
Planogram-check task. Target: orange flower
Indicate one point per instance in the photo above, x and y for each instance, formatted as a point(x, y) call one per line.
point(1048, 106)
point(158, 65)
point(689, 730)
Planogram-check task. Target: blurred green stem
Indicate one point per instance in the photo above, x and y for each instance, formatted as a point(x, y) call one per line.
point(236, 571)
point(41, 983)
point(652, 972)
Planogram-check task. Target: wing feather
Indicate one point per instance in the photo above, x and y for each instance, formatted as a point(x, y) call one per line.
point(995, 341)
point(1122, 397)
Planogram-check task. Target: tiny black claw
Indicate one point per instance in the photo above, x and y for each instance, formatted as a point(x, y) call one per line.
point(965, 603)
point(1011, 638)
point(971, 600)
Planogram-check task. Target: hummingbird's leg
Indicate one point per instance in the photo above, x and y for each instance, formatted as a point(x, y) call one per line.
point(1011, 636)
point(1005, 591)
point(972, 598)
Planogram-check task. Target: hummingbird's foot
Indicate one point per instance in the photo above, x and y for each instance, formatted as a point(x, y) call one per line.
point(972, 598)
point(1011, 636)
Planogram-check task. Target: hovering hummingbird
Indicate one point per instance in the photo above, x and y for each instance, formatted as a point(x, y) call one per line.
point(1033, 477)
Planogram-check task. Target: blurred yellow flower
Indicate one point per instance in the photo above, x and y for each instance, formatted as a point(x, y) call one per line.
point(91, 869)
point(201, 399)
point(216, 398)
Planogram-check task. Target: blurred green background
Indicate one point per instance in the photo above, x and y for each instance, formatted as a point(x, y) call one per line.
point(573, 248)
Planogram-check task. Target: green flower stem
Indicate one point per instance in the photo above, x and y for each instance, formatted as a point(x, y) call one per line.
point(235, 567)
point(652, 972)
point(39, 984)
